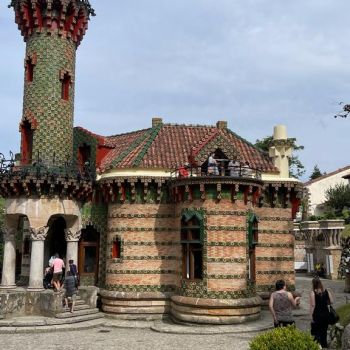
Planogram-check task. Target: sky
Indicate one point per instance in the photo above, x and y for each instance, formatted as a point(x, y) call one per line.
point(254, 63)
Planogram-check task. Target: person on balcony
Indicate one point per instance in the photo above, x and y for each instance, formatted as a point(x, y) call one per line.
point(246, 170)
point(233, 167)
point(212, 165)
point(183, 170)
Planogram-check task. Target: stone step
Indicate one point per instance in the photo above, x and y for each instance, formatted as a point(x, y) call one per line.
point(75, 318)
point(78, 307)
point(77, 313)
point(87, 324)
point(39, 321)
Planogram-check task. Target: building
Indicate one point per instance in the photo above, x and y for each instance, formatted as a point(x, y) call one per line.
point(317, 189)
point(159, 219)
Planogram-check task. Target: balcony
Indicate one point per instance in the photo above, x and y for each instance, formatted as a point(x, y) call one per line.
point(223, 170)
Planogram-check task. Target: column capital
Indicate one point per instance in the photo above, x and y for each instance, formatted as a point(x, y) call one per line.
point(9, 233)
point(72, 235)
point(39, 233)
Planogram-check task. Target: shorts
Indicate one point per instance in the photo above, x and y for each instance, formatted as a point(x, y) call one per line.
point(283, 323)
point(57, 276)
point(71, 297)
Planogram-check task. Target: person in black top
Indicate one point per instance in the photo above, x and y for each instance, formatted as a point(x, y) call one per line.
point(320, 298)
point(74, 271)
point(71, 291)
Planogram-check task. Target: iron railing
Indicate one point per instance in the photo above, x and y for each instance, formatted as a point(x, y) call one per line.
point(41, 168)
point(222, 169)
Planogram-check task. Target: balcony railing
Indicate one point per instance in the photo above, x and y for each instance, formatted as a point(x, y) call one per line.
point(222, 169)
point(41, 168)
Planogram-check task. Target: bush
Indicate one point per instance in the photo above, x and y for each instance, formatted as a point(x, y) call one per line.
point(284, 338)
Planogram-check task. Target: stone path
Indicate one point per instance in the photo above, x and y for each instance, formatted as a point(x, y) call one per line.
point(137, 335)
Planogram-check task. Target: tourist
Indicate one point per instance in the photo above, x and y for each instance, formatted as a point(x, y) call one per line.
point(280, 305)
point(233, 167)
point(212, 165)
point(47, 277)
point(246, 171)
point(58, 266)
point(183, 172)
point(71, 291)
point(74, 271)
point(320, 298)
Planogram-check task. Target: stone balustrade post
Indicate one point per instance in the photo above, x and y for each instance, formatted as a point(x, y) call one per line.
point(72, 238)
point(36, 275)
point(9, 259)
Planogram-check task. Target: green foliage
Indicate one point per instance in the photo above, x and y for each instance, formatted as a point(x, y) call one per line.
point(344, 314)
point(284, 338)
point(338, 198)
point(316, 172)
point(296, 168)
point(346, 232)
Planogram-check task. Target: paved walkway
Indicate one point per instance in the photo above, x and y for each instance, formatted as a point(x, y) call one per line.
point(137, 335)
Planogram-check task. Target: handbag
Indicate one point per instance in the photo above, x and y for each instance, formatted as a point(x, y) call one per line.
point(333, 317)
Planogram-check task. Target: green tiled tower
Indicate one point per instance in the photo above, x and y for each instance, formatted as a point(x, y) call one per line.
point(52, 30)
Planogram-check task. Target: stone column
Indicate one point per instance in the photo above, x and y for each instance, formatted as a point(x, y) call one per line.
point(72, 238)
point(36, 275)
point(9, 260)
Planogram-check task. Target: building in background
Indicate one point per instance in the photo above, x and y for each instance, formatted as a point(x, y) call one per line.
point(317, 189)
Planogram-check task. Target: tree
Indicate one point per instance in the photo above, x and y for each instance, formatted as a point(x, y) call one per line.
point(345, 112)
point(315, 173)
point(338, 198)
point(296, 168)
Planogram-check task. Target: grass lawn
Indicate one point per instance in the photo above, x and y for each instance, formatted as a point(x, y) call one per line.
point(344, 314)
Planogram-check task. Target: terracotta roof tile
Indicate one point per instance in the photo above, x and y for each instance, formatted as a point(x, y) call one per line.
point(169, 146)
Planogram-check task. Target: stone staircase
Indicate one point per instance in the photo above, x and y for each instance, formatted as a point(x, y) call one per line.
point(83, 317)
point(82, 312)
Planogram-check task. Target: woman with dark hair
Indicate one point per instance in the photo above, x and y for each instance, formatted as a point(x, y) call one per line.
point(320, 298)
point(280, 305)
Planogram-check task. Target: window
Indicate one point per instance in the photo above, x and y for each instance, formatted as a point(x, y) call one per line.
point(192, 247)
point(116, 248)
point(66, 81)
point(26, 142)
point(84, 153)
point(29, 70)
point(252, 242)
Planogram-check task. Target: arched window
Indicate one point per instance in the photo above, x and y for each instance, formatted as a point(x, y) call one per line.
point(192, 247)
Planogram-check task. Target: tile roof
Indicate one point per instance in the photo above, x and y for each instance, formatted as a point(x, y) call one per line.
point(168, 146)
point(328, 175)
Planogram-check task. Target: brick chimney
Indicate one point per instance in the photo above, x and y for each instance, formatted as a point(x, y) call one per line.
point(221, 124)
point(156, 121)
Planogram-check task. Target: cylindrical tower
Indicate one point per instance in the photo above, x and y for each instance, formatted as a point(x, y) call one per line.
point(52, 30)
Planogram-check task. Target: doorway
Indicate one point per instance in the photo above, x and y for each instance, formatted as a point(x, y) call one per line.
point(56, 241)
point(89, 246)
